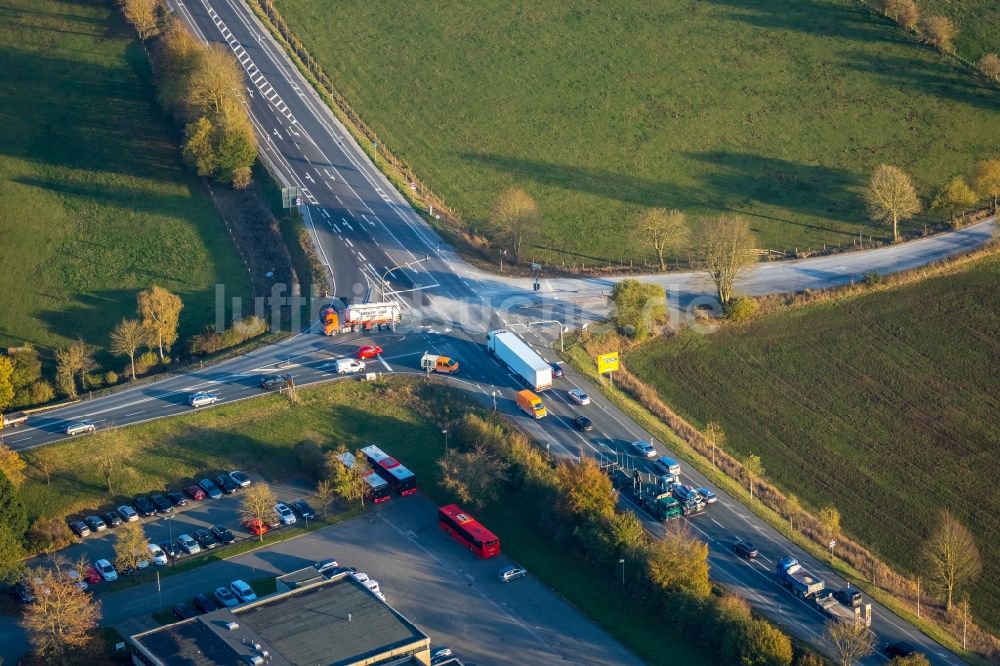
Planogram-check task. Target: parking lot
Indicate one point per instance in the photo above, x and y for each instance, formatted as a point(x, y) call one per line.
point(433, 581)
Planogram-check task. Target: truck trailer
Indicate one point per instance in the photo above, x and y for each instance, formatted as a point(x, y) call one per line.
point(359, 317)
point(13, 420)
point(656, 498)
point(830, 606)
point(796, 578)
point(515, 354)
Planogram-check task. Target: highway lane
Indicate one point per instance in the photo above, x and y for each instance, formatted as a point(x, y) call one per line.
point(362, 228)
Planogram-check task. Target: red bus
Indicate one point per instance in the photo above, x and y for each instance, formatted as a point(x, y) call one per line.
point(378, 489)
point(467, 531)
point(402, 480)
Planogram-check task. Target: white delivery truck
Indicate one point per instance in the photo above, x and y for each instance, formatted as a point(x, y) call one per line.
point(515, 353)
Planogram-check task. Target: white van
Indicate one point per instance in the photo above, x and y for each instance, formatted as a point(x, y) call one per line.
point(346, 365)
point(667, 465)
point(79, 428)
point(202, 399)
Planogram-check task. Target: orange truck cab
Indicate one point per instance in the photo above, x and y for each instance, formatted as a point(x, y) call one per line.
point(330, 319)
point(531, 404)
point(435, 363)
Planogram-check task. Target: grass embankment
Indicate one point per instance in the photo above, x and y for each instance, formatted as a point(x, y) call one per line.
point(94, 201)
point(883, 405)
point(777, 113)
point(978, 23)
point(261, 435)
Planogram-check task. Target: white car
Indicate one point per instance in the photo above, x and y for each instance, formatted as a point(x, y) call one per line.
point(127, 513)
point(346, 365)
point(107, 571)
point(243, 591)
point(707, 495)
point(579, 397)
point(159, 557)
point(202, 399)
point(644, 449)
point(285, 514)
point(225, 598)
point(79, 427)
point(188, 545)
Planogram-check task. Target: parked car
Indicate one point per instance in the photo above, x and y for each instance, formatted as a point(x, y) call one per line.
point(177, 498)
point(644, 449)
point(745, 549)
point(107, 571)
point(79, 427)
point(225, 598)
point(440, 654)
point(95, 523)
point(256, 527)
point(325, 565)
point(583, 424)
point(204, 604)
point(183, 612)
point(271, 382)
point(368, 351)
point(346, 365)
point(707, 495)
point(227, 484)
point(112, 518)
point(74, 577)
point(302, 508)
point(22, 592)
point(155, 552)
point(195, 492)
point(163, 504)
point(510, 573)
point(579, 397)
point(210, 489)
point(899, 649)
point(243, 591)
point(557, 371)
point(127, 513)
point(285, 514)
point(92, 575)
point(171, 550)
point(240, 478)
point(79, 528)
point(222, 533)
point(205, 539)
point(144, 507)
point(188, 545)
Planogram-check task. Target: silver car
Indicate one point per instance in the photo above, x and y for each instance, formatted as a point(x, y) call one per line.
point(510, 573)
point(643, 448)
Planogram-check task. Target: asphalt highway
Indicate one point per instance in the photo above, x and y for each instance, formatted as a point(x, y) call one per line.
point(370, 239)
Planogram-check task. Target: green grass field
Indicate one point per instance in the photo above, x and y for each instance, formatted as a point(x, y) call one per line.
point(94, 201)
point(261, 434)
point(883, 405)
point(978, 23)
point(775, 110)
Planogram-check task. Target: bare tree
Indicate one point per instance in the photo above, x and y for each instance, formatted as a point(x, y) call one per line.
point(939, 31)
point(753, 468)
point(715, 436)
point(851, 641)
point(71, 364)
point(62, 616)
point(989, 65)
point(127, 338)
point(986, 180)
point(516, 217)
point(891, 197)
point(130, 546)
point(257, 507)
point(665, 230)
point(143, 15)
point(161, 313)
point(326, 492)
point(727, 250)
point(903, 12)
point(956, 195)
point(829, 520)
point(475, 476)
point(109, 453)
point(952, 556)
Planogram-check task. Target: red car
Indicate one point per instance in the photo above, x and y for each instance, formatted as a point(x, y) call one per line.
point(368, 351)
point(195, 492)
point(92, 576)
point(255, 527)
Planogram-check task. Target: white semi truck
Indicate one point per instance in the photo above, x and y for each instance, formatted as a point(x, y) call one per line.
point(515, 353)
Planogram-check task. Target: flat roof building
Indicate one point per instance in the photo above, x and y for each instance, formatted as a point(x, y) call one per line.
point(312, 620)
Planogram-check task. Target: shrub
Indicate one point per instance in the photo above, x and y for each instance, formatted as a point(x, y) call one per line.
point(939, 31)
point(989, 65)
point(903, 12)
point(93, 380)
point(40, 392)
point(873, 278)
point(146, 362)
point(47, 535)
point(212, 341)
point(110, 378)
point(741, 309)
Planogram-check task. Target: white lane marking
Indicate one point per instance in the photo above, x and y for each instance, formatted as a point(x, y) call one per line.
point(348, 241)
point(135, 413)
point(382, 361)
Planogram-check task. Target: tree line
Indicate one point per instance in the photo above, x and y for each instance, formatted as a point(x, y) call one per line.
point(202, 87)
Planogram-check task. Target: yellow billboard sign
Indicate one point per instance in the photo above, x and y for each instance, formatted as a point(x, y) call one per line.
point(607, 362)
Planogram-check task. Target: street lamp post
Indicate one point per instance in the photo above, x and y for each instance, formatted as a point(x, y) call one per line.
point(381, 282)
point(562, 329)
point(621, 561)
point(494, 400)
point(444, 431)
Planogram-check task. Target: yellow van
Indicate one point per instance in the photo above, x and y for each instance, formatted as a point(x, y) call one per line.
point(531, 404)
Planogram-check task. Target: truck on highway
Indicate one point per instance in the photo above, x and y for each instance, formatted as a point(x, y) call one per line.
point(655, 498)
point(435, 363)
point(516, 355)
point(831, 606)
point(359, 317)
point(796, 578)
point(13, 420)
